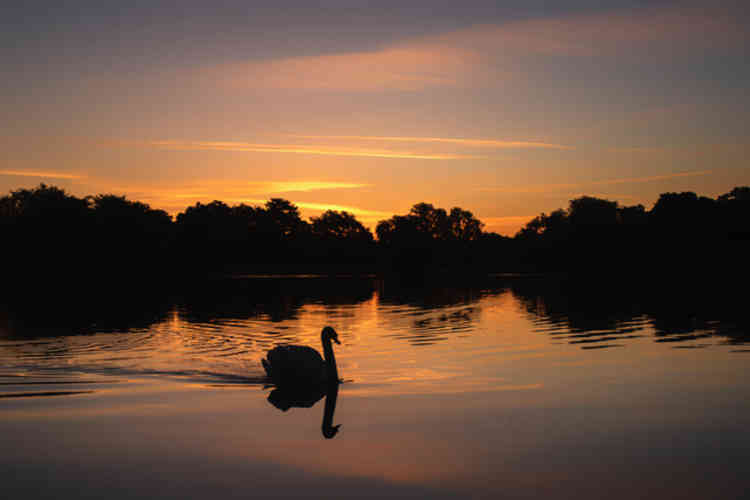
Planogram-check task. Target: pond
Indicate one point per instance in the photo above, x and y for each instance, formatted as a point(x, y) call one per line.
point(512, 387)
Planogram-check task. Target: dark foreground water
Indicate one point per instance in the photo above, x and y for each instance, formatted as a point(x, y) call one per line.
point(512, 388)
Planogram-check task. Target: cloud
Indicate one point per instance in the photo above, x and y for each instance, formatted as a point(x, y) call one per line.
point(301, 186)
point(489, 54)
point(175, 199)
point(322, 207)
point(370, 214)
point(233, 187)
point(638, 150)
point(368, 217)
point(544, 188)
point(51, 175)
point(407, 67)
point(248, 147)
point(650, 178)
point(484, 143)
point(684, 29)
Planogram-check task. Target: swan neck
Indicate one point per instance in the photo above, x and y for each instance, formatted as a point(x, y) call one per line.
point(330, 359)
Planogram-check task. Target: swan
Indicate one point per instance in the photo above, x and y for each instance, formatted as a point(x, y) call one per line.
point(289, 366)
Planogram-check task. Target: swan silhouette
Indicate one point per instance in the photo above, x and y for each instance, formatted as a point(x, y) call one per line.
point(296, 366)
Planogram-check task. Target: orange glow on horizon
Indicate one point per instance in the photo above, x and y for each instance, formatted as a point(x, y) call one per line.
point(506, 226)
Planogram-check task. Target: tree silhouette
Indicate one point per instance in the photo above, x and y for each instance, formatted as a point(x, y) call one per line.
point(118, 214)
point(48, 234)
point(282, 217)
point(463, 226)
point(340, 243)
point(738, 194)
point(427, 239)
point(680, 211)
point(425, 224)
point(332, 225)
point(554, 224)
point(589, 212)
point(130, 238)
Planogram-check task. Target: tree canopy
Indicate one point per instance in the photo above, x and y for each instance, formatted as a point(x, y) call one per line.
point(333, 225)
point(425, 223)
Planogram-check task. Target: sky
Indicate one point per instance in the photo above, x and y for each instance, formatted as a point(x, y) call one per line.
point(506, 109)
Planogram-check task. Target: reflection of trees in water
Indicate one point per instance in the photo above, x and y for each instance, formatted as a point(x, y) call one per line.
point(595, 313)
point(588, 313)
point(203, 301)
point(689, 313)
point(430, 330)
point(436, 312)
point(583, 311)
point(83, 312)
point(433, 296)
point(276, 299)
point(216, 301)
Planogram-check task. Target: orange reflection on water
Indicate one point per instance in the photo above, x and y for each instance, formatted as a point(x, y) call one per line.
point(449, 393)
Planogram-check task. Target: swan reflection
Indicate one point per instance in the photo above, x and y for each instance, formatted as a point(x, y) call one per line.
point(306, 397)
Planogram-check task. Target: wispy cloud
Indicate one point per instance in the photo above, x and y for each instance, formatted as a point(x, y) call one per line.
point(300, 186)
point(544, 188)
point(650, 178)
point(248, 147)
point(482, 143)
point(176, 198)
point(369, 214)
point(638, 150)
point(31, 173)
point(405, 67)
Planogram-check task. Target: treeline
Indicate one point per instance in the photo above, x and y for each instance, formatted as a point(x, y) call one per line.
point(48, 234)
point(682, 233)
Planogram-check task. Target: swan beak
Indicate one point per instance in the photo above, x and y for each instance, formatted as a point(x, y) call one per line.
point(335, 339)
point(331, 431)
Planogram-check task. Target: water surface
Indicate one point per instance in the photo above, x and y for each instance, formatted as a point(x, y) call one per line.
point(513, 387)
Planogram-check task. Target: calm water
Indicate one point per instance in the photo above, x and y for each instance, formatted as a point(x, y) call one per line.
point(513, 388)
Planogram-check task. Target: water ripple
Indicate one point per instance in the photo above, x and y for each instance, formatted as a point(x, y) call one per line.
point(400, 332)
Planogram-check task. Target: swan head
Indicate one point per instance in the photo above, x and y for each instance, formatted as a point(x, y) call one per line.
point(330, 334)
point(329, 432)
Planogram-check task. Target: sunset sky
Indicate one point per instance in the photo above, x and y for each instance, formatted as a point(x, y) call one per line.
point(506, 109)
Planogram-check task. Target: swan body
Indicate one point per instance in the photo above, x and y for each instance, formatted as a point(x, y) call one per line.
point(290, 366)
